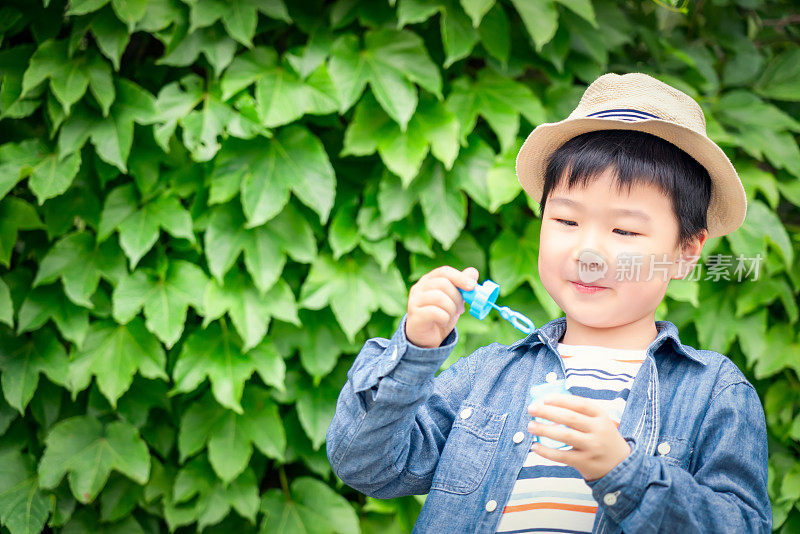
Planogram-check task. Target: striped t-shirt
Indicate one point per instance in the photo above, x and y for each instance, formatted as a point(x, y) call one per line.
point(551, 496)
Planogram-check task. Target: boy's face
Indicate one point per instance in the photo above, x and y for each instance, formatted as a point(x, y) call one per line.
point(577, 238)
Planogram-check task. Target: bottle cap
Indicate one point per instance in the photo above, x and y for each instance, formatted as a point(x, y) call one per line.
point(481, 298)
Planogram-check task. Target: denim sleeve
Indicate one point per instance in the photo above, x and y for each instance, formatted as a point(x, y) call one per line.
point(728, 491)
point(393, 415)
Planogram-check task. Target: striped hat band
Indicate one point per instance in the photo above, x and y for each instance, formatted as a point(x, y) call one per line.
point(623, 114)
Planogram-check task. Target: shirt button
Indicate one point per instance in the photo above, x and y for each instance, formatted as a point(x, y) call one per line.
point(519, 436)
point(610, 499)
point(466, 412)
point(491, 505)
point(663, 448)
point(551, 377)
point(394, 354)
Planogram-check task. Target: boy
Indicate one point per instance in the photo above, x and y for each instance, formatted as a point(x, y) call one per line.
point(658, 435)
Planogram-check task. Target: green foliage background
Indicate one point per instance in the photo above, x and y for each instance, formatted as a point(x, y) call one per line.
point(207, 206)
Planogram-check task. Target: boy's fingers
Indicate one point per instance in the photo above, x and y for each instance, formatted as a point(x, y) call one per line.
point(574, 402)
point(571, 418)
point(458, 278)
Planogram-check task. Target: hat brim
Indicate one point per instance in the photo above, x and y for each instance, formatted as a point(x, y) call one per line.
point(728, 204)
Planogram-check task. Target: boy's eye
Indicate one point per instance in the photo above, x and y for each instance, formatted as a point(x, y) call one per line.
point(625, 232)
point(622, 232)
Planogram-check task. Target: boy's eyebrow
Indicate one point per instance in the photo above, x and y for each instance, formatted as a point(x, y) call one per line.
point(620, 211)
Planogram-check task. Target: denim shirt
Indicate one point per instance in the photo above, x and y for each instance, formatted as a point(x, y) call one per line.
point(695, 425)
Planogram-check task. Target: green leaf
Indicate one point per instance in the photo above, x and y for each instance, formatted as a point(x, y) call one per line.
point(761, 226)
point(495, 33)
point(265, 247)
point(249, 310)
point(391, 61)
point(684, 290)
point(165, 298)
point(582, 8)
point(432, 127)
point(476, 9)
point(130, 11)
point(283, 97)
point(15, 215)
point(198, 495)
point(540, 19)
point(111, 35)
point(175, 101)
point(79, 263)
point(320, 349)
point(6, 305)
point(101, 82)
point(752, 334)
point(353, 289)
point(183, 49)
point(230, 437)
point(139, 228)
point(23, 359)
point(81, 7)
point(52, 176)
point(43, 303)
point(240, 20)
point(311, 506)
point(113, 354)
point(49, 174)
point(343, 236)
point(216, 352)
point(780, 351)
point(315, 408)
point(112, 136)
point(13, 63)
point(458, 34)
point(87, 451)
point(49, 60)
point(742, 109)
point(779, 79)
point(23, 508)
point(755, 179)
point(715, 321)
point(84, 521)
point(471, 170)
point(501, 180)
point(294, 159)
point(444, 206)
point(497, 99)
point(70, 83)
point(305, 59)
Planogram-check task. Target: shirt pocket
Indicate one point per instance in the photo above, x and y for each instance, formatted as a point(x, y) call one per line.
point(675, 451)
point(469, 449)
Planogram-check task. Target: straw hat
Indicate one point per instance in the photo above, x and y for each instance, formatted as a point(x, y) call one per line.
point(637, 101)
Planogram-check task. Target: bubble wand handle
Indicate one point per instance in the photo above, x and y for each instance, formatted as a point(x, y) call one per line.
point(519, 321)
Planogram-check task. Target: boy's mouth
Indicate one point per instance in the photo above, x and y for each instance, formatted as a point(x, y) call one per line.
point(586, 288)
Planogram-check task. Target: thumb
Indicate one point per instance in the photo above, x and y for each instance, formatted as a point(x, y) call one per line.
point(472, 272)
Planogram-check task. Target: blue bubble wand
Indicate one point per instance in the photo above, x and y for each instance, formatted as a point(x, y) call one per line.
point(482, 299)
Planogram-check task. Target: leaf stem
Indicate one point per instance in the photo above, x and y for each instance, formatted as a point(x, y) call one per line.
point(284, 484)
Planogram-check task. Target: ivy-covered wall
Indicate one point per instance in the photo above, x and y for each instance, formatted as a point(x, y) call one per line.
point(207, 206)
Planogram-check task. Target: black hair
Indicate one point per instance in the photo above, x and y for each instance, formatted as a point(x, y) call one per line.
point(637, 157)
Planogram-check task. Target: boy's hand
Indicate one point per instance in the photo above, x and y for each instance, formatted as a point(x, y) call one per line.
point(597, 444)
point(435, 304)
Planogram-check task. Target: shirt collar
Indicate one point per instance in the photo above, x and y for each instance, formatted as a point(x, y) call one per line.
point(550, 333)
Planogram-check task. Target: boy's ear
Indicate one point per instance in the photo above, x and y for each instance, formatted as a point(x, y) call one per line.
point(690, 254)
